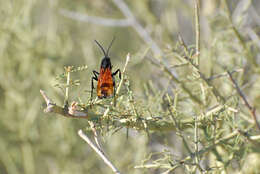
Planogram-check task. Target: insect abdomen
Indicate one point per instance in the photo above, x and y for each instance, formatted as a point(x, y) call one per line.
point(105, 86)
point(106, 90)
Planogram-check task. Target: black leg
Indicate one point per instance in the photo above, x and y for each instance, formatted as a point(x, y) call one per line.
point(117, 71)
point(114, 85)
point(92, 82)
point(113, 74)
point(95, 74)
point(114, 95)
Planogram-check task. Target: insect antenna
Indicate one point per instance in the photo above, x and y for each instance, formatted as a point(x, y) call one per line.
point(110, 45)
point(101, 48)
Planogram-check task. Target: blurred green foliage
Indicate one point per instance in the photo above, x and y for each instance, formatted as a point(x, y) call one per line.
point(36, 42)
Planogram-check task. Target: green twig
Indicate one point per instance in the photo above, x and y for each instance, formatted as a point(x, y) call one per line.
point(176, 124)
point(197, 58)
point(123, 75)
point(66, 101)
point(176, 80)
point(197, 30)
point(195, 67)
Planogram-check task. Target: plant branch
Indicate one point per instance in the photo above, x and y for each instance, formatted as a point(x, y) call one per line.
point(92, 126)
point(67, 70)
point(250, 108)
point(215, 92)
point(218, 142)
point(129, 21)
point(98, 151)
point(197, 30)
point(137, 26)
point(72, 112)
point(247, 52)
point(224, 74)
point(123, 74)
point(178, 129)
point(197, 59)
point(201, 152)
point(174, 78)
point(249, 138)
point(95, 20)
point(152, 124)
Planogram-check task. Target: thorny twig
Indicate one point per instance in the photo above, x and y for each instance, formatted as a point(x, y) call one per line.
point(174, 78)
point(250, 108)
point(190, 157)
point(249, 138)
point(224, 74)
point(178, 129)
point(215, 92)
point(73, 112)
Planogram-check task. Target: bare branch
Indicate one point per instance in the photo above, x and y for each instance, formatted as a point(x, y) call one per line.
point(46, 98)
point(224, 74)
point(137, 26)
point(129, 21)
point(250, 108)
point(72, 112)
point(98, 151)
point(92, 126)
point(95, 20)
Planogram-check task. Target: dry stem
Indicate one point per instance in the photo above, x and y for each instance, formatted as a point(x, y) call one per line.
point(250, 108)
point(98, 151)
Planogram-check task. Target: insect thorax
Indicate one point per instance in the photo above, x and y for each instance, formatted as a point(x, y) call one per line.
point(106, 63)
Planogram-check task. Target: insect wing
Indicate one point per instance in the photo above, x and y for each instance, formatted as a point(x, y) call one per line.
point(105, 86)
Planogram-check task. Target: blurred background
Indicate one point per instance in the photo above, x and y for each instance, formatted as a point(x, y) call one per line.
point(38, 38)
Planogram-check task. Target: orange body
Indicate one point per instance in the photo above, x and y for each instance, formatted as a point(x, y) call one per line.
point(105, 87)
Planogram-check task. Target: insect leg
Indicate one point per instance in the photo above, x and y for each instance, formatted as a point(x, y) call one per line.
point(96, 74)
point(114, 85)
point(113, 74)
point(92, 82)
point(114, 95)
point(117, 71)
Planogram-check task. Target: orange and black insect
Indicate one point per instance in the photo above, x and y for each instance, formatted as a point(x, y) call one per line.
point(105, 78)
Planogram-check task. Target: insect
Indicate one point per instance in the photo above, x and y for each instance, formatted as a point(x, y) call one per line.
point(105, 77)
